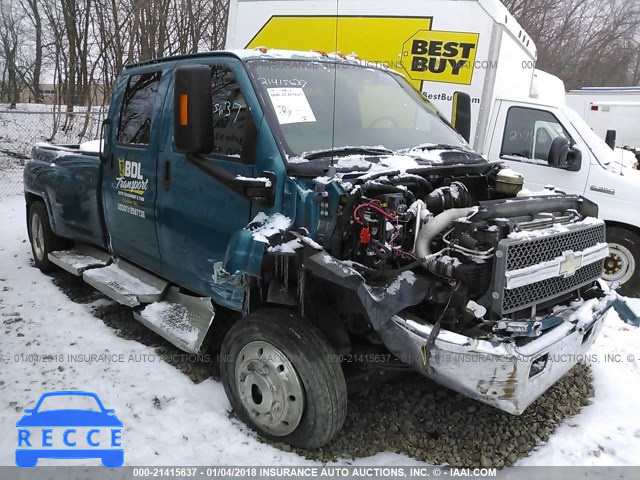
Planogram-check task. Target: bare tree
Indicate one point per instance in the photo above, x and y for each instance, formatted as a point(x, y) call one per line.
point(31, 75)
point(9, 42)
point(584, 42)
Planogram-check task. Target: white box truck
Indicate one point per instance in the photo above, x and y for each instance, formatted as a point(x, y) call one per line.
point(519, 114)
point(610, 109)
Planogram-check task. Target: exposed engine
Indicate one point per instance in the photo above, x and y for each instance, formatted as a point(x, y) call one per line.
point(464, 235)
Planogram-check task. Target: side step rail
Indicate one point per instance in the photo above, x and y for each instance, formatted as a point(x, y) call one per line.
point(126, 283)
point(181, 319)
point(79, 259)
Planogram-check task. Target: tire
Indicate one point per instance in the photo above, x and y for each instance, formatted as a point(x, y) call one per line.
point(622, 264)
point(42, 239)
point(277, 348)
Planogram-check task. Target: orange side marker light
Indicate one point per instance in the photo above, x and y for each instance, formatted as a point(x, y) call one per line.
point(184, 109)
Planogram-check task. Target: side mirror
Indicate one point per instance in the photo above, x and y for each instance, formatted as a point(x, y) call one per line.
point(105, 132)
point(610, 139)
point(562, 155)
point(193, 110)
point(461, 114)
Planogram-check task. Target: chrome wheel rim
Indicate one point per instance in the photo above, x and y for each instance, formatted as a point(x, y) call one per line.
point(269, 388)
point(37, 236)
point(620, 265)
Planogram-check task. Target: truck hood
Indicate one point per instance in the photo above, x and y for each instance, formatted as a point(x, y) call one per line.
point(353, 165)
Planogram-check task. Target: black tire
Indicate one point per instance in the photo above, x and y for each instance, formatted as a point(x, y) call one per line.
point(324, 389)
point(42, 245)
point(624, 260)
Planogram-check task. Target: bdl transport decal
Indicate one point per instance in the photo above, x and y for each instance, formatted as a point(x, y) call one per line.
point(130, 181)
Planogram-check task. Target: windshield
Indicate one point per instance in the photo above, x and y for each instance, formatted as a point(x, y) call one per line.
point(373, 108)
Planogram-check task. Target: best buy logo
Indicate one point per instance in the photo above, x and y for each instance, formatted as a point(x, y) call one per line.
point(437, 56)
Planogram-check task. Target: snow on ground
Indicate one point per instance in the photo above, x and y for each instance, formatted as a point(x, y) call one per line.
point(189, 423)
point(28, 123)
point(607, 432)
point(189, 426)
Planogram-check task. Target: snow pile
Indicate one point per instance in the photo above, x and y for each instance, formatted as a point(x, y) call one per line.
point(265, 180)
point(558, 228)
point(288, 247)
point(268, 226)
point(172, 318)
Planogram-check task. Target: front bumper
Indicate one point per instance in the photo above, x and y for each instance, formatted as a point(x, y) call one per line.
point(504, 375)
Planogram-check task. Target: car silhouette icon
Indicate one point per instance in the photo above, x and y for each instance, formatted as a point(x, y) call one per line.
point(48, 431)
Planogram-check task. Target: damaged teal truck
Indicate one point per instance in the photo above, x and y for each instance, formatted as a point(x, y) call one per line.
point(337, 216)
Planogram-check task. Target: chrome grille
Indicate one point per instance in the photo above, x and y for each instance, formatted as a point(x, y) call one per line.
point(518, 298)
point(543, 249)
point(513, 254)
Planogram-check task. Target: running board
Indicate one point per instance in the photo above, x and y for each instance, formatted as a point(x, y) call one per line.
point(181, 319)
point(126, 283)
point(80, 259)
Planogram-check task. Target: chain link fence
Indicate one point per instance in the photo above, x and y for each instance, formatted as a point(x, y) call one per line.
point(27, 125)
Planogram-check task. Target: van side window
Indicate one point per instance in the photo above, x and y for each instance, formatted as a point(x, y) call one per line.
point(529, 134)
point(137, 112)
point(233, 127)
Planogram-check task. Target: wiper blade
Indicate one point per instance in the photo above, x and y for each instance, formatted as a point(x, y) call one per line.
point(344, 151)
point(437, 146)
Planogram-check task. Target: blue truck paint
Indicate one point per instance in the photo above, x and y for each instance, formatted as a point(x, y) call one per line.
point(181, 236)
point(70, 184)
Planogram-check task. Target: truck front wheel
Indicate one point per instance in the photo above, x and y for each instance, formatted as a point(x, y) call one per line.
point(283, 379)
point(621, 266)
point(42, 239)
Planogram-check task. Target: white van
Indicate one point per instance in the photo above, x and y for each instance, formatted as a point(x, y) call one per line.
point(610, 109)
point(519, 114)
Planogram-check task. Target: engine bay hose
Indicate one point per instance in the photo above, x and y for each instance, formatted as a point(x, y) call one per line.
point(434, 227)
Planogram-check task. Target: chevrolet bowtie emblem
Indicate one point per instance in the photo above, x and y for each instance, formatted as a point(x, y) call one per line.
point(570, 264)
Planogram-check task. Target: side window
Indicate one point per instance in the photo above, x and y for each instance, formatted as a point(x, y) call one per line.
point(137, 111)
point(529, 134)
point(233, 126)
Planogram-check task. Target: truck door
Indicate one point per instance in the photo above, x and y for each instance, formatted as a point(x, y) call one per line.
point(522, 139)
point(198, 215)
point(129, 192)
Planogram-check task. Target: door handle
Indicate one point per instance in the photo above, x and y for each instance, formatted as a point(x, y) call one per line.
point(167, 175)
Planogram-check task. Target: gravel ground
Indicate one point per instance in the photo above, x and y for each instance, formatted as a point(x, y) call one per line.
point(411, 416)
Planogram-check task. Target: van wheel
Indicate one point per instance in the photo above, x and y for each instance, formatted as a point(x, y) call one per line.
point(42, 239)
point(283, 379)
point(621, 266)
